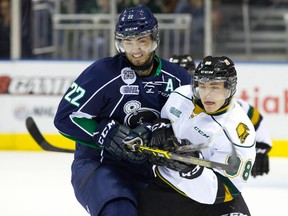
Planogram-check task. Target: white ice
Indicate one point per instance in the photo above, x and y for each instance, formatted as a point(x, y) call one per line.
point(38, 184)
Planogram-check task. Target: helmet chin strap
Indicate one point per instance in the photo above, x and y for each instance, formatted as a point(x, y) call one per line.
point(140, 69)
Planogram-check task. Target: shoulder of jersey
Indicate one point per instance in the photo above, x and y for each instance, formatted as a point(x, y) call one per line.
point(184, 90)
point(105, 63)
point(244, 104)
point(243, 128)
point(103, 69)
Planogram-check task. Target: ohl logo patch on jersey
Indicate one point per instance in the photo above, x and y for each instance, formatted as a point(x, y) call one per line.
point(242, 132)
point(129, 89)
point(174, 111)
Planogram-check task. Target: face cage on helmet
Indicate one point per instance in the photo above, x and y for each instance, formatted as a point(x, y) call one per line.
point(154, 35)
point(228, 84)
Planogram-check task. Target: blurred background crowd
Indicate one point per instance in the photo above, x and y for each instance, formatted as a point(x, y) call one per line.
point(84, 29)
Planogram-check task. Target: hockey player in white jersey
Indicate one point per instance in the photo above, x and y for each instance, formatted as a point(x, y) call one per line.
point(263, 139)
point(203, 113)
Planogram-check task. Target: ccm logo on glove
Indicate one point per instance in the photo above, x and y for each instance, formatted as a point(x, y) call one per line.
point(105, 131)
point(160, 125)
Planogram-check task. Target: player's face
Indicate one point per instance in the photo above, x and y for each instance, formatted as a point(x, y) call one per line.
point(213, 95)
point(138, 50)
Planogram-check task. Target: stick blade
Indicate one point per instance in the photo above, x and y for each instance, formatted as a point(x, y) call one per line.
point(39, 138)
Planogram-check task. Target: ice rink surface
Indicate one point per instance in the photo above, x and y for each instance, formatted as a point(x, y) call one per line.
point(38, 184)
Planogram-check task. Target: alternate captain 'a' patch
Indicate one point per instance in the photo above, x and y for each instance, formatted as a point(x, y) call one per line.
point(242, 132)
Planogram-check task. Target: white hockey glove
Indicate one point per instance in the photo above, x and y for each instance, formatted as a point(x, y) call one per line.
point(261, 164)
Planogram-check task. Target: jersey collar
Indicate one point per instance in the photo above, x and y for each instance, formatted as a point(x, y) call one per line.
point(159, 68)
point(199, 109)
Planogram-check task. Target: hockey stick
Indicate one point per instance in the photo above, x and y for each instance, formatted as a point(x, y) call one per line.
point(45, 145)
point(136, 145)
point(39, 138)
point(187, 159)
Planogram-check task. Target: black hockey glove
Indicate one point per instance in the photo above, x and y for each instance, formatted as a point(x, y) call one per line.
point(139, 136)
point(163, 138)
point(161, 132)
point(261, 164)
point(111, 135)
point(189, 171)
point(192, 171)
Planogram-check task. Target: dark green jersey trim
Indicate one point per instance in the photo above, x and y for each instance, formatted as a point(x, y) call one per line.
point(159, 68)
point(90, 144)
point(226, 181)
point(255, 116)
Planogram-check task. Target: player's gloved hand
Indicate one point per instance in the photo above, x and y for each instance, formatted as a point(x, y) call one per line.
point(140, 135)
point(161, 132)
point(137, 137)
point(185, 170)
point(192, 171)
point(111, 135)
point(163, 138)
point(261, 164)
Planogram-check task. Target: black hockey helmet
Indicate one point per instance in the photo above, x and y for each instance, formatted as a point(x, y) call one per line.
point(213, 69)
point(185, 61)
point(135, 22)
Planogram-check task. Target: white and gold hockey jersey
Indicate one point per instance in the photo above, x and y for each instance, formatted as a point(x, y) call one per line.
point(260, 124)
point(189, 121)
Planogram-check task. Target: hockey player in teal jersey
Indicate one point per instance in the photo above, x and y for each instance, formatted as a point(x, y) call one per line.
point(203, 115)
point(114, 99)
point(263, 139)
